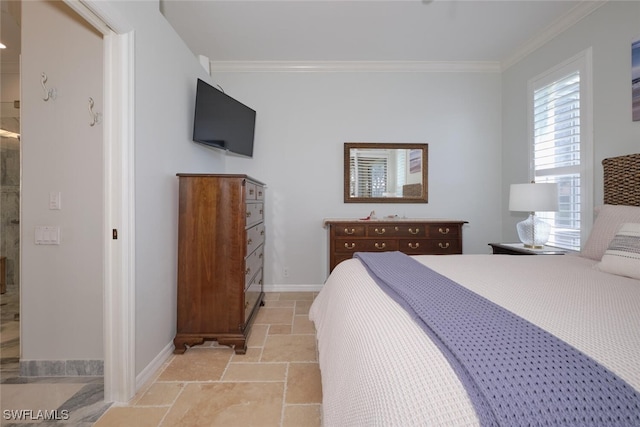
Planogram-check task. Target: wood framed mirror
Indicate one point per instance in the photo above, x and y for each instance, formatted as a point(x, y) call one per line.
point(385, 172)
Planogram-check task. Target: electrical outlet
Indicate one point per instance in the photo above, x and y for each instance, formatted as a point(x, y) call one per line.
point(285, 272)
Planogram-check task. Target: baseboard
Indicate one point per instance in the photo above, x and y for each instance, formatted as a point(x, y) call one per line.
point(148, 372)
point(292, 288)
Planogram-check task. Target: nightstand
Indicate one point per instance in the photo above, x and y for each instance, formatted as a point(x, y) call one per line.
point(519, 249)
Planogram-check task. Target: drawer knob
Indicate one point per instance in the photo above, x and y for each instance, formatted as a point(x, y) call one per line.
point(249, 242)
point(262, 232)
point(248, 271)
point(260, 193)
point(380, 246)
point(251, 191)
point(350, 246)
point(347, 231)
point(380, 230)
point(412, 231)
point(248, 214)
point(444, 245)
point(414, 245)
point(444, 230)
point(246, 305)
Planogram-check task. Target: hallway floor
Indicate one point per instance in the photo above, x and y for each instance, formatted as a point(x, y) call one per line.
point(277, 383)
point(9, 329)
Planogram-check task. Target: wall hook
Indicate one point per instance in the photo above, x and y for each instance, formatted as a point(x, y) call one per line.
point(48, 93)
point(94, 117)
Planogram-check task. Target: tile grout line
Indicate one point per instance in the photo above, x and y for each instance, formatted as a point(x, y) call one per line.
point(284, 394)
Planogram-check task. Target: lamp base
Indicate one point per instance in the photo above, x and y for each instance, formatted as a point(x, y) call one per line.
point(533, 232)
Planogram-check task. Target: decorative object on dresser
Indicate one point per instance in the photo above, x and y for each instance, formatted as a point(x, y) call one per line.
point(412, 236)
point(221, 237)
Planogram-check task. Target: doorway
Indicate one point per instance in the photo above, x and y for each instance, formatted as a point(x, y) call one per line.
point(9, 186)
point(118, 209)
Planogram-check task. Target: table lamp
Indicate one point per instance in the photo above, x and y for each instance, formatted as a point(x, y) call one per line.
point(532, 198)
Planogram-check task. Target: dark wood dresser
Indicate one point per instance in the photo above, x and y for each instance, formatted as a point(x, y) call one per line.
point(412, 236)
point(221, 238)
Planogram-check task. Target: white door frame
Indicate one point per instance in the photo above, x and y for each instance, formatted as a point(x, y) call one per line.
point(119, 213)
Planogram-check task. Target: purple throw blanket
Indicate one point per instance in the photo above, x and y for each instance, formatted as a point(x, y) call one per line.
point(515, 373)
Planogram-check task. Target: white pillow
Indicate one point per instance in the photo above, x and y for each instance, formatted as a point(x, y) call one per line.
point(608, 221)
point(623, 255)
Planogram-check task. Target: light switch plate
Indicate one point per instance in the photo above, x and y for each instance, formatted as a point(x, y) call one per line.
point(55, 200)
point(47, 235)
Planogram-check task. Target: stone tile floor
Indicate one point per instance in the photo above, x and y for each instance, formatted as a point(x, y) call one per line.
point(277, 383)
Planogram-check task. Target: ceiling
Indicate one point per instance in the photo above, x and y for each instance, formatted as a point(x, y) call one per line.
point(10, 31)
point(364, 30)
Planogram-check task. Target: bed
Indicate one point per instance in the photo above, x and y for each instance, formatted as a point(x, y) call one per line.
point(380, 368)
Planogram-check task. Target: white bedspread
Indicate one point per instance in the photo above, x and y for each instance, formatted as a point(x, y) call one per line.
point(380, 369)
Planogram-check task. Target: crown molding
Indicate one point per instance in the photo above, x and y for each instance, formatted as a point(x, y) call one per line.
point(583, 9)
point(355, 66)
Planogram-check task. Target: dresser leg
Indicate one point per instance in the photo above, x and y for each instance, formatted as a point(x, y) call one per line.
point(182, 343)
point(239, 344)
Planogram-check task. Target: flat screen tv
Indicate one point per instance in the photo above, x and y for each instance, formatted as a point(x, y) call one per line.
point(222, 122)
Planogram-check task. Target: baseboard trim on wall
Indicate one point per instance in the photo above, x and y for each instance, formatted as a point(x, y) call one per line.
point(150, 370)
point(292, 288)
point(61, 368)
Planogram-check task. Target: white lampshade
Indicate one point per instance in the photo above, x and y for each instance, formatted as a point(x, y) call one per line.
point(542, 197)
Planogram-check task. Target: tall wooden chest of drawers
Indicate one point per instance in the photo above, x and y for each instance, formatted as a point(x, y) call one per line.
point(221, 237)
point(410, 236)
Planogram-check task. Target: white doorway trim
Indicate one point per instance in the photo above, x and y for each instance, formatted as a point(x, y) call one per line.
point(119, 206)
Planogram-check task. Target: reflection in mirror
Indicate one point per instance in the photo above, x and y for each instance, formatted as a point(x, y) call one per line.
point(385, 172)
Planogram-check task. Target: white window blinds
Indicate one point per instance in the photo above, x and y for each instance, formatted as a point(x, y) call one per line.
point(556, 155)
point(558, 148)
point(368, 175)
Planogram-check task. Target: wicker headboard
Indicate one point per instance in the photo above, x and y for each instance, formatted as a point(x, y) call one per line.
point(622, 180)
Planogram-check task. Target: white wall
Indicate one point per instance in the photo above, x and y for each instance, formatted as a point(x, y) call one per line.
point(62, 312)
point(61, 286)
point(303, 120)
point(165, 82)
point(609, 31)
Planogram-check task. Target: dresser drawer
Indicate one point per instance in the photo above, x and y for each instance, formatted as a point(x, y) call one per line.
point(254, 213)
point(255, 237)
point(348, 230)
point(396, 230)
point(251, 192)
point(252, 295)
point(252, 264)
point(444, 246)
point(443, 231)
point(415, 246)
point(412, 236)
point(346, 245)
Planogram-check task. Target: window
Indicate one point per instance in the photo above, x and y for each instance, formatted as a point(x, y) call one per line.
point(377, 173)
point(370, 180)
point(561, 148)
